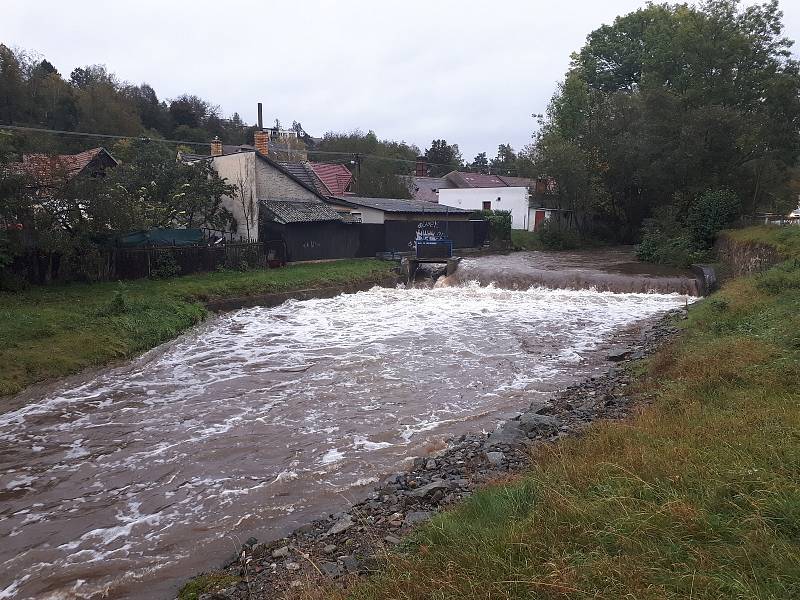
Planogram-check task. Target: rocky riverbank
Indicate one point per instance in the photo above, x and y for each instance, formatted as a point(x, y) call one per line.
point(344, 545)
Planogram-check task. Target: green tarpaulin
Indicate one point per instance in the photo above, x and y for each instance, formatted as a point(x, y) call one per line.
point(160, 237)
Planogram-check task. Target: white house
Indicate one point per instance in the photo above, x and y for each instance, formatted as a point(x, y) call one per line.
point(516, 200)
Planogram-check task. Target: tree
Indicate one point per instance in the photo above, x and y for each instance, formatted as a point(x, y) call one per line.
point(443, 158)
point(479, 164)
point(671, 101)
point(155, 190)
point(381, 161)
point(505, 163)
point(12, 86)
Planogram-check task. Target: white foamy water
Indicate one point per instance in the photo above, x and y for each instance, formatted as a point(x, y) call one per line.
point(264, 418)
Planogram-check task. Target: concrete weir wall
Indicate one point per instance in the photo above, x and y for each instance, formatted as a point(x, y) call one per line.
point(745, 258)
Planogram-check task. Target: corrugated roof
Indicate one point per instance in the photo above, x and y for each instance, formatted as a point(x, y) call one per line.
point(298, 211)
point(400, 205)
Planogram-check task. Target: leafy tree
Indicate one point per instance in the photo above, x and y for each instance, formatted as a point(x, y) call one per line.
point(381, 161)
point(479, 164)
point(505, 163)
point(152, 189)
point(443, 158)
point(670, 101)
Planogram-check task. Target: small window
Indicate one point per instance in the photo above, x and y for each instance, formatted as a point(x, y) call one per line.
point(487, 205)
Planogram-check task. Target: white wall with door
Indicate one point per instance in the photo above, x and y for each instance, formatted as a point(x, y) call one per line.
point(513, 199)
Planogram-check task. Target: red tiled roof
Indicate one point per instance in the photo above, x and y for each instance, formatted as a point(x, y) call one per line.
point(49, 169)
point(336, 178)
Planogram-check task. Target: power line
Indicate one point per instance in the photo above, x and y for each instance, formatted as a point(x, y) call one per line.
point(100, 135)
point(188, 143)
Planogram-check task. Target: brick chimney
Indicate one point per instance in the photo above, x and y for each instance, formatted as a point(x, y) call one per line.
point(216, 146)
point(261, 137)
point(261, 141)
point(421, 169)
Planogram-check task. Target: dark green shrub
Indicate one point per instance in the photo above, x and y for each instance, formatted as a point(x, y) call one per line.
point(164, 265)
point(710, 213)
point(499, 225)
point(556, 237)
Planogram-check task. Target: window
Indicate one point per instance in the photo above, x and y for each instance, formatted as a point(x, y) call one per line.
point(487, 205)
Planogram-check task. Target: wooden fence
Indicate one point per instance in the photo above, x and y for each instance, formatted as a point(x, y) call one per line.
point(113, 263)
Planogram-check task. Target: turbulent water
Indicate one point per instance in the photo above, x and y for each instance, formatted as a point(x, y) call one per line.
point(264, 418)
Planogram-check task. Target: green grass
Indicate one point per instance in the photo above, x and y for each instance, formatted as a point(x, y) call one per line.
point(697, 496)
point(207, 583)
point(526, 240)
point(786, 240)
point(48, 332)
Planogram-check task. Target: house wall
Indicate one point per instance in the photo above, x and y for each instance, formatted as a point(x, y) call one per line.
point(368, 215)
point(514, 199)
point(239, 170)
point(272, 184)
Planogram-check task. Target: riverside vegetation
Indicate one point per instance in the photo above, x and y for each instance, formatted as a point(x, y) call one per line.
point(53, 331)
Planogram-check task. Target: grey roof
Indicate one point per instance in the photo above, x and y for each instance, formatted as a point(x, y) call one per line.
point(298, 211)
point(399, 205)
point(302, 172)
point(425, 188)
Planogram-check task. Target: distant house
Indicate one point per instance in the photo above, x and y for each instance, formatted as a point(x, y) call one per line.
point(521, 196)
point(478, 191)
point(48, 172)
point(271, 198)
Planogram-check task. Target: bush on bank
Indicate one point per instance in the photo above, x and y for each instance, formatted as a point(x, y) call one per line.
point(698, 496)
point(681, 236)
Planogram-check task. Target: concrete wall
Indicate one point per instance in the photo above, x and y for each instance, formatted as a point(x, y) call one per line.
point(369, 215)
point(514, 199)
point(239, 170)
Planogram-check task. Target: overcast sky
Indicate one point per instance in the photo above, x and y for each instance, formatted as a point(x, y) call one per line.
point(469, 72)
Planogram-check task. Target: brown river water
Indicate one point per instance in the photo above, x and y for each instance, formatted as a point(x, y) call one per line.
point(124, 482)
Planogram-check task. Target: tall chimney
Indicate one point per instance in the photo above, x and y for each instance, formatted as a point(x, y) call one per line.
point(421, 169)
point(260, 119)
point(216, 146)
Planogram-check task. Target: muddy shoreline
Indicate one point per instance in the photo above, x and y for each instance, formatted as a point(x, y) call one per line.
point(339, 548)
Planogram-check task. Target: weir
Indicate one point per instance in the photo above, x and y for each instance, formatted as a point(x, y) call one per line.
point(605, 270)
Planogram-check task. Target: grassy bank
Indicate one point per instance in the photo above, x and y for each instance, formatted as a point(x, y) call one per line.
point(786, 240)
point(697, 497)
point(49, 332)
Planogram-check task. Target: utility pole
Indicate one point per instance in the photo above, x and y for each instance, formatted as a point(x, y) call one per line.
point(357, 162)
